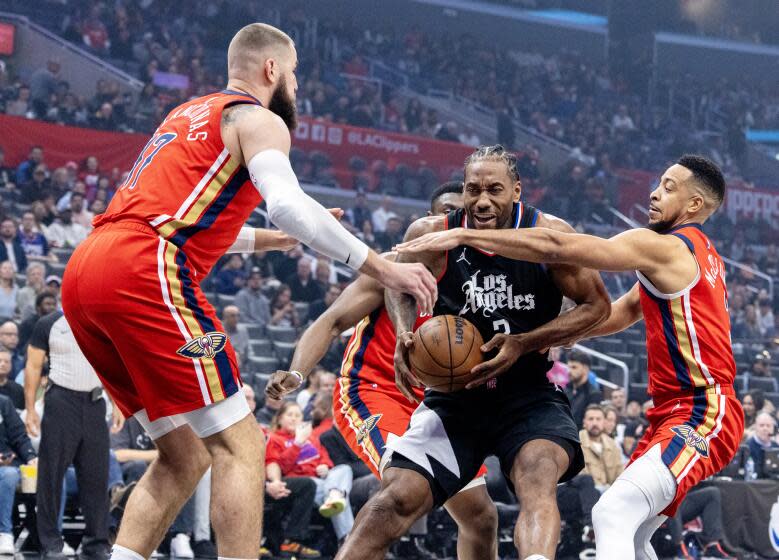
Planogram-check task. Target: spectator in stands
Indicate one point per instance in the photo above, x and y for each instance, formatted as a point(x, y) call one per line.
point(15, 450)
point(580, 391)
point(9, 340)
point(765, 316)
point(364, 483)
point(45, 303)
point(311, 388)
point(25, 299)
point(382, 214)
point(79, 211)
point(292, 451)
point(250, 299)
point(302, 284)
point(25, 169)
point(752, 403)
point(283, 312)
point(762, 439)
point(44, 215)
point(8, 290)
point(621, 121)
point(232, 277)
point(53, 286)
point(761, 368)
point(238, 334)
point(326, 384)
point(602, 457)
point(324, 273)
point(769, 264)
point(319, 306)
point(270, 408)
point(618, 400)
point(44, 83)
point(36, 188)
point(705, 504)
point(285, 264)
point(21, 106)
point(322, 413)
point(750, 328)
point(360, 213)
point(34, 244)
point(94, 32)
point(9, 387)
point(7, 175)
point(64, 232)
point(392, 234)
point(104, 118)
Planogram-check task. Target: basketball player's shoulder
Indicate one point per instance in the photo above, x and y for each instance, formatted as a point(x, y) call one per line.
point(553, 222)
point(428, 224)
point(247, 115)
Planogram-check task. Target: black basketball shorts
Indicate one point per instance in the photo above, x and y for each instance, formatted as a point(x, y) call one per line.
point(451, 434)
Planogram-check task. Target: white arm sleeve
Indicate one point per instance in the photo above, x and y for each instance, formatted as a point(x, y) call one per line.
point(244, 243)
point(299, 215)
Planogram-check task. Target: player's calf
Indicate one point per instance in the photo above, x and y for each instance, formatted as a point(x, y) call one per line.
point(477, 523)
point(405, 496)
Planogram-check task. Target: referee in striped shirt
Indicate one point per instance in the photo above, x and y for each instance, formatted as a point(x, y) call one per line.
point(73, 431)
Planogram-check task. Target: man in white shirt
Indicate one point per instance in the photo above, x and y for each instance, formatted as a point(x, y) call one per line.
point(64, 232)
point(382, 214)
point(81, 215)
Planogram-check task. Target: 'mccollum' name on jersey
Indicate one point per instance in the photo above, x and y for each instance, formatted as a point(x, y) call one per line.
point(493, 294)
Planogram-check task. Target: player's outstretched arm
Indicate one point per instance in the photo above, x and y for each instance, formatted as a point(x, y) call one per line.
point(402, 309)
point(636, 249)
point(583, 285)
point(262, 141)
point(359, 299)
point(252, 239)
point(625, 312)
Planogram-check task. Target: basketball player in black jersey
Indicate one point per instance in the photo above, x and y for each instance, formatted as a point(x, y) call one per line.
point(519, 417)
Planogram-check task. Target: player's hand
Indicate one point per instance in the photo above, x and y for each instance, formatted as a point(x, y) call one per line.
point(117, 420)
point(510, 348)
point(32, 422)
point(413, 279)
point(337, 213)
point(322, 470)
point(281, 383)
point(404, 379)
point(435, 241)
point(277, 489)
point(302, 433)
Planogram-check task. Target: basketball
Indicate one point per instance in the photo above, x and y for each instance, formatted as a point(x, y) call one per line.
point(445, 349)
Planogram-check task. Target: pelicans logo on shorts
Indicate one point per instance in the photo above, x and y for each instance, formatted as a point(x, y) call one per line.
point(692, 439)
point(206, 346)
point(366, 427)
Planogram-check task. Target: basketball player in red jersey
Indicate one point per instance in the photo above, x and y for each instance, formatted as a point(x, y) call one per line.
point(368, 408)
point(131, 291)
point(697, 422)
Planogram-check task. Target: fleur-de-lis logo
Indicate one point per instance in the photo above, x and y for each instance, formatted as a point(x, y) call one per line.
point(206, 346)
point(366, 427)
point(692, 439)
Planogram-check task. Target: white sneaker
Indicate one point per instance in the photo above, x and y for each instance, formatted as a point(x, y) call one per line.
point(67, 550)
point(156, 554)
point(7, 544)
point(180, 547)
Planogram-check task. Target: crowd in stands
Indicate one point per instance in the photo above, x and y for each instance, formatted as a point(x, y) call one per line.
point(564, 97)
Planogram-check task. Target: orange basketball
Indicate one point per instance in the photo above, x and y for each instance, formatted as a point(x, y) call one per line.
point(445, 349)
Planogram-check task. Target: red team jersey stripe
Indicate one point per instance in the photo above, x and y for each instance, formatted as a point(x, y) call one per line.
point(352, 406)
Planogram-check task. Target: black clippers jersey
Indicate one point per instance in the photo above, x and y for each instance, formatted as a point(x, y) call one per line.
point(500, 295)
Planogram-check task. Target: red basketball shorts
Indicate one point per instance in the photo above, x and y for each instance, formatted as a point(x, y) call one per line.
point(142, 321)
point(698, 433)
point(369, 414)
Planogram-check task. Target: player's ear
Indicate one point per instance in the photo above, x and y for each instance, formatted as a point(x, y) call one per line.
point(271, 70)
point(517, 190)
point(696, 203)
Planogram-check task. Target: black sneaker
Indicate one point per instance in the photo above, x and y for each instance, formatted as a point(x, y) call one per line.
point(204, 549)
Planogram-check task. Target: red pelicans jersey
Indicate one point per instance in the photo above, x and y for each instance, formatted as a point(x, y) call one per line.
point(186, 185)
point(688, 333)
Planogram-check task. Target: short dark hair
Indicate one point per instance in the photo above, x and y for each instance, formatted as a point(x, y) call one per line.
point(42, 296)
point(495, 153)
point(448, 187)
point(594, 406)
point(580, 357)
point(707, 174)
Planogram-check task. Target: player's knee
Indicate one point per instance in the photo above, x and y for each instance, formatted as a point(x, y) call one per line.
point(394, 504)
point(606, 512)
point(537, 485)
point(484, 522)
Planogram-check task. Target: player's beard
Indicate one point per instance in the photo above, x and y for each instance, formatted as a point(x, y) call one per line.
point(660, 226)
point(283, 105)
